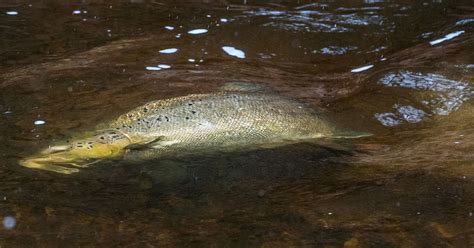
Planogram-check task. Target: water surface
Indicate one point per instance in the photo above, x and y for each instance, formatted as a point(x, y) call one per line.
point(403, 71)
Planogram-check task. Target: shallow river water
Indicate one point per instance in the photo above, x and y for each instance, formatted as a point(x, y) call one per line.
point(403, 71)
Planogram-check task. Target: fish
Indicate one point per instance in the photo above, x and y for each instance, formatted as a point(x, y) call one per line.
point(237, 116)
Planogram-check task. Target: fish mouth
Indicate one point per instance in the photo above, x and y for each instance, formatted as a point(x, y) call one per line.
point(57, 161)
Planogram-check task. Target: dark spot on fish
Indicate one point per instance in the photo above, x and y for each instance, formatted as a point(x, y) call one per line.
point(187, 118)
point(145, 109)
point(89, 143)
point(102, 137)
point(158, 119)
point(113, 132)
point(139, 123)
point(193, 112)
point(167, 119)
point(190, 104)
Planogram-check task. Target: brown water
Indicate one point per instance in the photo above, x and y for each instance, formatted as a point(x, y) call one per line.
point(68, 66)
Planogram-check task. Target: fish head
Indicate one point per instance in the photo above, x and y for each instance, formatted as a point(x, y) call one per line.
point(79, 153)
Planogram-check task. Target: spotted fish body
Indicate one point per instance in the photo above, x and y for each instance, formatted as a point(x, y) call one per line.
point(239, 115)
point(226, 119)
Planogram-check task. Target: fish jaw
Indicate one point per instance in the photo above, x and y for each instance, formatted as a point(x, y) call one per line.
point(45, 163)
point(69, 160)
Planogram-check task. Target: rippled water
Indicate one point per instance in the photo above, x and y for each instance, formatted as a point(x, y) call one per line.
point(403, 71)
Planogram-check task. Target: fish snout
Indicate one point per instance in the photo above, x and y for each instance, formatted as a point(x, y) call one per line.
point(47, 163)
point(60, 161)
point(68, 159)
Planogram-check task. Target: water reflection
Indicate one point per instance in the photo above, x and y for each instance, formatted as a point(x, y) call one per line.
point(403, 113)
point(73, 74)
point(447, 37)
point(9, 222)
point(169, 50)
point(198, 31)
point(232, 51)
point(334, 50)
point(12, 13)
point(157, 68)
point(40, 122)
point(464, 22)
point(363, 68)
point(445, 96)
point(302, 19)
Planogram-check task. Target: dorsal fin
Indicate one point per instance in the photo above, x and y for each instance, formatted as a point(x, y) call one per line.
point(243, 87)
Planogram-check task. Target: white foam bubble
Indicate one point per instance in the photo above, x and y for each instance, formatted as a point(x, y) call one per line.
point(198, 31)
point(169, 50)
point(39, 122)
point(447, 37)
point(9, 222)
point(232, 51)
point(164, 66)
point(464, 22)
point(363, 68)
point(153, 68)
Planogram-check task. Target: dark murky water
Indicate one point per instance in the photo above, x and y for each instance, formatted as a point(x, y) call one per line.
point(403, 71)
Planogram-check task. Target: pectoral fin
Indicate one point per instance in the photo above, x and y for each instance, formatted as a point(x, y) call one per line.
point(145, 143)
